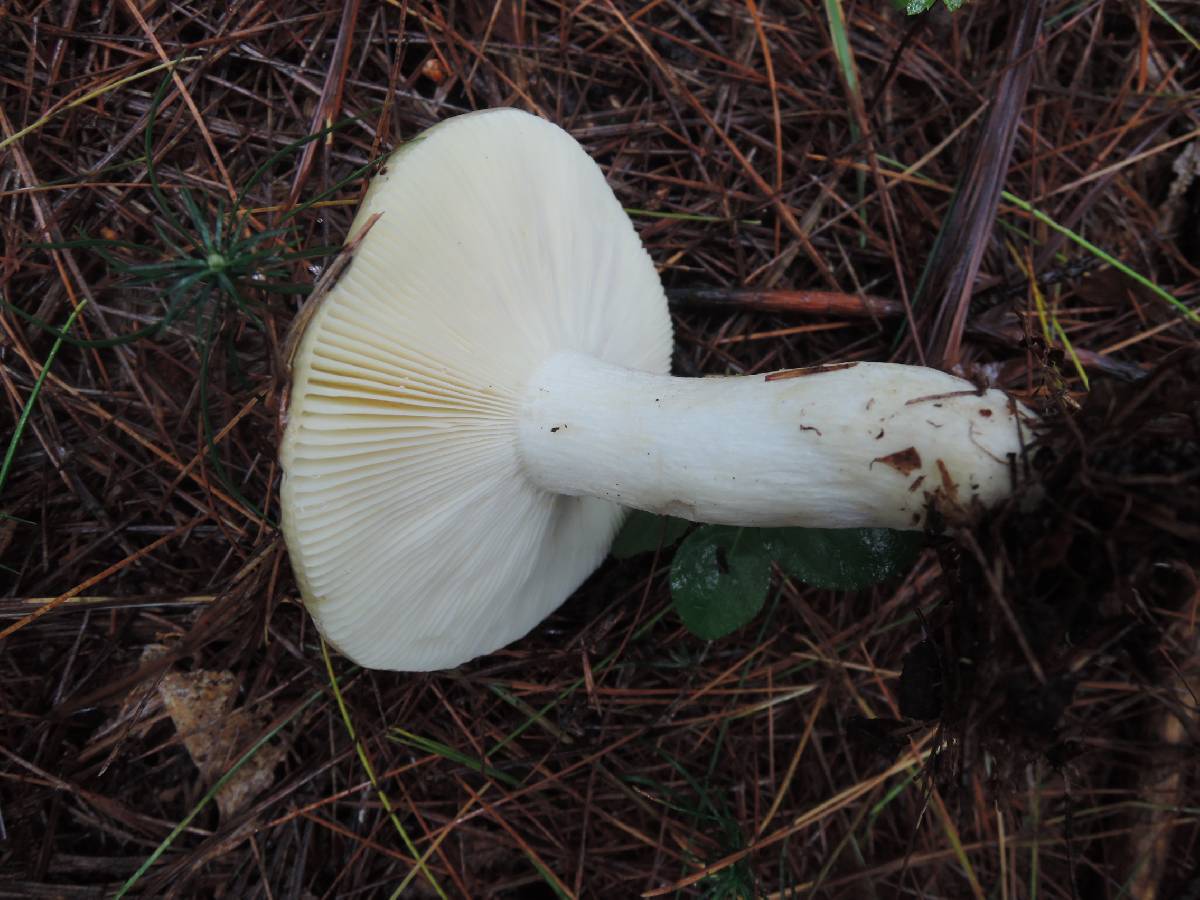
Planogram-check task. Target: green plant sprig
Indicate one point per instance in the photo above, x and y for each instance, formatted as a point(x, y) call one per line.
point(207, 261)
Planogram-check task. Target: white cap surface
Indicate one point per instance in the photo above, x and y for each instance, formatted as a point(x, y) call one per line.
point(417, 541)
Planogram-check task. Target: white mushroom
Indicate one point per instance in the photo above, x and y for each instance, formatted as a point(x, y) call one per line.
point(484, 390)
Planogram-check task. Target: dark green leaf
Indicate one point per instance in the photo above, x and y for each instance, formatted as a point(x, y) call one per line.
point(645, 532)
point(285, 287)
point(719, 579)
point(843, 558)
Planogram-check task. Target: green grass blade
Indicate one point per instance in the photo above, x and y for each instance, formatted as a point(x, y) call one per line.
point(151, 172)
point(1083, 242)
point(437, 748)
point(684, 217)
point(845, 57)
point(87, 243)
point(87, 344)
point(91, 95)
point(1087, 245)
point(370, 770)
point(1166, 17)
point(27, 409)
point(288, 149)
point(199, 222)
point(840, 38)
point(332, 189)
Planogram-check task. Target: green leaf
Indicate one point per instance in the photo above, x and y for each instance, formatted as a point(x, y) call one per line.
point(720, 574)
point(953, 5)
point(844, 559)
point(913, 7)
point(645, 532)
point(27, 409)
point(719, 579)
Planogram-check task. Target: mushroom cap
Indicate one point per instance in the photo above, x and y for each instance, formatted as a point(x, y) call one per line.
point(417, 541)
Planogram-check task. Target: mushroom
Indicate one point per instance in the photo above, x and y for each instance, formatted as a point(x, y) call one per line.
point(485, 389)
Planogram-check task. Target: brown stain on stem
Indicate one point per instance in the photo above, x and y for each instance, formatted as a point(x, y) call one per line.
point(933, 398)
point(904, 461)
point(949, 486)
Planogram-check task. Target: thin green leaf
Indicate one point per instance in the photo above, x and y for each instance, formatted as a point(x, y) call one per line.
point(86, 243)
point(176, 247)
point(287, 149)
point(1170, 20)
point(95, 343)
point(334, 188)
point(199, 222)
point(437, 748)
point(1104, 255)
point(26, 410)
point(313, 253)
point(685, 217)
point(91, 95)
point(370, 770)
point(284, 287)
point(151, 173)
point(150, 272)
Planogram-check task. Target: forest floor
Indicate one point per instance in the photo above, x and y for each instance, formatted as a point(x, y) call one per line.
point(1019, 182)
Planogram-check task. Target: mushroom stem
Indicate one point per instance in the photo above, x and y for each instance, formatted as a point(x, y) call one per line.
point(853, 445)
